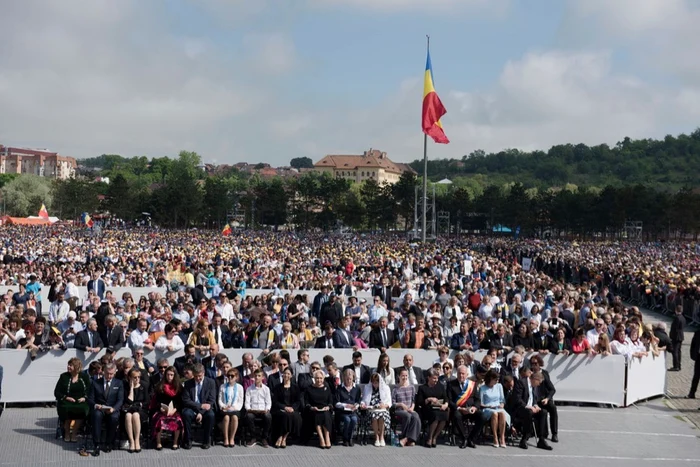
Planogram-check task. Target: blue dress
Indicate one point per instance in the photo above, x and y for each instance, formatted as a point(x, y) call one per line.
point(491, 398)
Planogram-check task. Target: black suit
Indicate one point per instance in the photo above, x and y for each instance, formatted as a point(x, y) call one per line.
point(274, 380)
point(114, 398)
point(342, 339)
point(180, 363)
point(500, 343)
point(365, 373)
point(694, 356)
point(677, 336)
point(546, 343)
point(376, 340)
point(454, 391)
point(82, 340)
point(192, 408)
point(547, 391)
point(322, 344)
point(524, 415)
point(113, 339)
point(420, 377)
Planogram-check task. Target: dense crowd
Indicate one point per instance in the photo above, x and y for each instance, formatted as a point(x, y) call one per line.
point(515, 299)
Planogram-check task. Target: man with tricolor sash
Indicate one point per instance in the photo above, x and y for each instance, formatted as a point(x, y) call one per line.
point(463, 399)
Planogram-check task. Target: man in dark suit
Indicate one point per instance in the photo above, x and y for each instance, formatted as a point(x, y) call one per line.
point(98, 285)
point(677, 335)
point(326, 340)
point(501, 341)
point(105, 398)
point(362, 372)
point(112, 335)
point(190, 357)
point(382, 337)
point(342, 339)
point(330, 311)
point(694, 356)
point(526, 408)
point(213, 361)
point(88, 340)
point(544, 342)
point(415, 374)
point(275, 379)
point(546, 391)
point(198, 400)
point(463, 399)
point(512, 368)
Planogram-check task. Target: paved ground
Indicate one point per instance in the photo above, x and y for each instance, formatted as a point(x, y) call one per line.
point(649, 434)
point(679, 382)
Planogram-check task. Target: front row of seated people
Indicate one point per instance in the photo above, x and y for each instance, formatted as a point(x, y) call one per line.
point(298, 405)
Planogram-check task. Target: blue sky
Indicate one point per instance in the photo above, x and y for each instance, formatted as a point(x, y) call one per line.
point(271, 80)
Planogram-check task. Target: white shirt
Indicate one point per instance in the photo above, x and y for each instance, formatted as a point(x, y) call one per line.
point(71, 291)
point(58, 311)
point(258, 398)
point(592, 337)
point(225, 310)
point(137, 338)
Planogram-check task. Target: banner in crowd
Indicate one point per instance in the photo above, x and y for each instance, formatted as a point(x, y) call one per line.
point(577, 378)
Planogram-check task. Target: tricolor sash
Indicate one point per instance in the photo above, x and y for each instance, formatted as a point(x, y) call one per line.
point(466, 394)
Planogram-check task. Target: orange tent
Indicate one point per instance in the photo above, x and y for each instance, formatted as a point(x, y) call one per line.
point(24, 221)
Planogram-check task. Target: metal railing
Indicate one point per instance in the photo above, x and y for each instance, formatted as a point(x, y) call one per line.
point(657, 300)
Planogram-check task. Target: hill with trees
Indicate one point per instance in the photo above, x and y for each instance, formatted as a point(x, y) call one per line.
point(668, 164)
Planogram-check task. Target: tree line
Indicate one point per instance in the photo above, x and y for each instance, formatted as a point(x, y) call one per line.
point(178, 193)
point(668, 164)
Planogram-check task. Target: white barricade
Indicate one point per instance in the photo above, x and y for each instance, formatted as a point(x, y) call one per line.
point(580, 378)
point(646, 378)
point(577, 378)
point(136, 292)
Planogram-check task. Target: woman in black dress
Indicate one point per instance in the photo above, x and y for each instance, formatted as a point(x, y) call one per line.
point(319, 402)
point(71, 399)
point(431, 400)
point(286, 408)
point(134, 408)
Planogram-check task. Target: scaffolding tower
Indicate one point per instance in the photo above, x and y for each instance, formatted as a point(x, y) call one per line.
point(430, 218)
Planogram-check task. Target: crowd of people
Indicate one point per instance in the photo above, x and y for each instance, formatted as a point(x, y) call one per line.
point(512, 298)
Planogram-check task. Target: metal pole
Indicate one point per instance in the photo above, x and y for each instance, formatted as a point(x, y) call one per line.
point(425, 173)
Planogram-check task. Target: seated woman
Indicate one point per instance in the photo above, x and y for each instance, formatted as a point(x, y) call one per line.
point(602, 347)
point(319, 402)
point(166, 404)
point(286, 408)
point(580, 344)
point(231, 397)
point(376, 398)
point(431, 400)
point(403, 396)
point(384, 369)
point(561, 344)
point(134, 408)
point(492, 403)
point(71, 399)
point(170, 341)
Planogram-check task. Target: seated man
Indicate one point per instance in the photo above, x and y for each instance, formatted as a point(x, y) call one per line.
point(463, 399)
point(198, 401)
point(258, 403)
point(105, 398)
point(525, 404)
point(347, 401)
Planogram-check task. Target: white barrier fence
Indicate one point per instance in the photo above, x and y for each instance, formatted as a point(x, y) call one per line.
point(578, 378)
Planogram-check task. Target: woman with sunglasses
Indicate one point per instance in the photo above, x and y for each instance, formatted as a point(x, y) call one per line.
point(231, 397)
point(286, 408)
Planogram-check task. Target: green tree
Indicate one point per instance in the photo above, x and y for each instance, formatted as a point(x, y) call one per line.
point(74, 196)
point(302, 163)
point(119, 201)
point(24, 195)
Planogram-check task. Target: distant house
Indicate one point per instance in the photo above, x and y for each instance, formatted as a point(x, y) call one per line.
point(373, 164)
point(41, 162)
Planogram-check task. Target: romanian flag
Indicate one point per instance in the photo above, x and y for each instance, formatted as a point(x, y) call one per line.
point(43, 213)
point(433, 109)
point(227, 231)
point(87, 220)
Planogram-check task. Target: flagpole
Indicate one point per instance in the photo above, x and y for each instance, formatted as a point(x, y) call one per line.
point(425, 172)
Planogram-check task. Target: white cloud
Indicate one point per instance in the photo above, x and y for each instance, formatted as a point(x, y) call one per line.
point(438, 6)
point(271, 53)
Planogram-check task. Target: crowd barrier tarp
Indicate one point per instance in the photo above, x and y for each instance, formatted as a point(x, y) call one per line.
point(590, 379)
point(309, 293)
point(118, 292)
point(646, 378)
point(577, 378)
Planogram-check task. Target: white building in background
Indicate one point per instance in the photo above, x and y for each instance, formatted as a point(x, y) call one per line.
point(39, 162)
